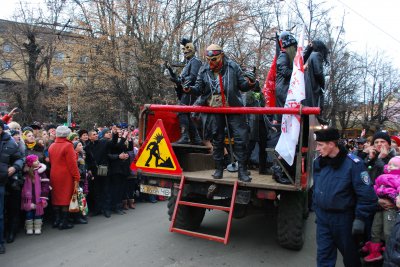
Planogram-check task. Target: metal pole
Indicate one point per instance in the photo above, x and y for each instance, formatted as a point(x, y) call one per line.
point(69, 111)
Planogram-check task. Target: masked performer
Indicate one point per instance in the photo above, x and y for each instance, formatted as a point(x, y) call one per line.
point(188, 75)
point(219, 84)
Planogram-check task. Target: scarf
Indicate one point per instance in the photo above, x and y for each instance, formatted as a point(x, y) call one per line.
point(27, 196)
point(30, 145)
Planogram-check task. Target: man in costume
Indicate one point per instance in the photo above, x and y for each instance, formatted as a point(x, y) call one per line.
point(219, 84)
point(188, 75)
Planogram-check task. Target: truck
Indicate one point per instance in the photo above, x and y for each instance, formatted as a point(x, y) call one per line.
point(188, 192)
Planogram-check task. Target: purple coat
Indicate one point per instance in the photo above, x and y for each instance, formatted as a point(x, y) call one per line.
point(387, 185)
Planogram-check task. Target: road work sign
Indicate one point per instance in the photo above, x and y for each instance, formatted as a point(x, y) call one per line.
point(156, 154)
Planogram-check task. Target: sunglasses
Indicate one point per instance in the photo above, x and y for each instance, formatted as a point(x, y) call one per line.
point(212, 53)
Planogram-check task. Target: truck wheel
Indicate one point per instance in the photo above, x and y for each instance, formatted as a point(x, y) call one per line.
point(290, 221)
point(187, 218)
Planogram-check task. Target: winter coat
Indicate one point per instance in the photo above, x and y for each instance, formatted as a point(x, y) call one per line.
point(64, 171)
point(376, 165)
point(189, 73)
point(36, 193)
point(118, 166)
point(233, 81)
point(283, 74)
point(342, 184)
point(97, 153)
point(388, 184)
point(37, 150)
point(10, 156)
point(254, 99)
point(314, 79)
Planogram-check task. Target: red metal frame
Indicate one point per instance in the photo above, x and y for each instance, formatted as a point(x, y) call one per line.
point(206, 206)
point(234, 110)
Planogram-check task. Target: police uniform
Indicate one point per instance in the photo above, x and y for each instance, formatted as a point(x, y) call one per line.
point(343, 197)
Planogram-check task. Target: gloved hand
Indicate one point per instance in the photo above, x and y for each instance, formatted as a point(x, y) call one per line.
point(358, 227)
point(250, 75)
point(44, 202)
point(186, 86)
point(33, 206)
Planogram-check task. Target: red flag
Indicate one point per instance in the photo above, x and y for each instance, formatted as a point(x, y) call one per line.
point(270, 85)
point(269, 89)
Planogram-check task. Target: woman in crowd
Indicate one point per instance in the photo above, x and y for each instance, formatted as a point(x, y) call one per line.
point(32, 146)
point(64, 176)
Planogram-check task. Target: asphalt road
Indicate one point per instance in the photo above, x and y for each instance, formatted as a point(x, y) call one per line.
point(141, 238)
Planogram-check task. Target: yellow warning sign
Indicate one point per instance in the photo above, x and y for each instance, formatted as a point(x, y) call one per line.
point(156, 153)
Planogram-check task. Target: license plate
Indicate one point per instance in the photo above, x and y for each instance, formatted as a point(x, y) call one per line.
point(154, 190)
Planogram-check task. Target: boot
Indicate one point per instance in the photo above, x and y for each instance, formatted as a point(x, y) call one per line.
point(375, 253)
point(12, 232)
point(37, 224)
point(243, 173)
point(219, 169)
point(197, 139)
point(78, 218)
point(184, 140)
point(64, 223)
point(29, 227)
point(132, 204)
point(125, 204)
point(366, 248)
point(56, 221)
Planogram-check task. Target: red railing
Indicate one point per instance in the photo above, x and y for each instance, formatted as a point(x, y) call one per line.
point(234, 110)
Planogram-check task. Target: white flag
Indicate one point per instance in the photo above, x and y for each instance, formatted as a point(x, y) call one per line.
point(289, 138)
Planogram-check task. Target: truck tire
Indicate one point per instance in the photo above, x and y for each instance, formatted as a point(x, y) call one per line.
point(290, 222)
point(187, 218)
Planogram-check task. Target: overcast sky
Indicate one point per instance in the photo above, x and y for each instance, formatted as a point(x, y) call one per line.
point(369, 24)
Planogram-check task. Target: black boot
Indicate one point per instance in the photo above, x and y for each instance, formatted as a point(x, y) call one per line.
point(219, 169)
point(12, 232)
point(56, 213)
point(79, 218)
point(64, 223)
point(243, 173)
point(197, 140)
point(184, 140)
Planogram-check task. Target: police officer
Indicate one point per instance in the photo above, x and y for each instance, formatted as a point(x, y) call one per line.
point(343, 198)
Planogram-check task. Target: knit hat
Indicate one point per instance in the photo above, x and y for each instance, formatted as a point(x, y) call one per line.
point(30, 159)
point(75, 143)
point(50, 126)
point(71, 136)
point(14, 132)
point(62, 131)
point(395, 161)
point(381, 135)
point(396, 139)
point(27, 128)
point(82, 132)
point(326, 135)
point(103, 132)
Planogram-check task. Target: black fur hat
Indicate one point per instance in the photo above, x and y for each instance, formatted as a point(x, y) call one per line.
point(185, 41)
point(326, 135)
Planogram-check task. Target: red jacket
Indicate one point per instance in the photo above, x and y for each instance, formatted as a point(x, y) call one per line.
point(64, 171)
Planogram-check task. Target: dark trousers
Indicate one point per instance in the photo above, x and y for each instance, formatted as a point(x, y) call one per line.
point(101, 193)
point(262, 143)
point(118, 186)
point(334, 233)
point(130, 189)
point(13, 208)
point(238, 130)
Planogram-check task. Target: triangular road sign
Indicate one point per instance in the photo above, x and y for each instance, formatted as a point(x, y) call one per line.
point(156, 154)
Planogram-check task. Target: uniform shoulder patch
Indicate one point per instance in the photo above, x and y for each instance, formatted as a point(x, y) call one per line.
point(365, 178)
point(354, 157)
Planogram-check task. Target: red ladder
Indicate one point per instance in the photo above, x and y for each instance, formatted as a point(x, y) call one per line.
point(206, 206)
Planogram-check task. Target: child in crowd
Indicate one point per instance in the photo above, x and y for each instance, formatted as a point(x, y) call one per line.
point(386, 187)
point(34, 194)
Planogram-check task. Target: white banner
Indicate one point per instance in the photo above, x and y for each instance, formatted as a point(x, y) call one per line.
point(289, 138)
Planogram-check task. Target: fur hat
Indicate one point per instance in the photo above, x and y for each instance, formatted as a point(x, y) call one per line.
point(381, 135)
point(62, 131)
point(326, 135)
point(30, 159)
point(82, 132)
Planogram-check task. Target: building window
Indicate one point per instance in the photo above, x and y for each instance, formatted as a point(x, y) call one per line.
point(7, 64)
point(59, 56)
point(57, 71)
point(82, 76)
point(7, 48)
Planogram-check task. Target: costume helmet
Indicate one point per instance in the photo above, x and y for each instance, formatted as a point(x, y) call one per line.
point(287, 39)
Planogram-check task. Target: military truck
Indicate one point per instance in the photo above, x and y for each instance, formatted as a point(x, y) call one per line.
point(189, 192)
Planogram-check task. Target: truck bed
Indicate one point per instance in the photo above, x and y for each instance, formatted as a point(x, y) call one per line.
point(258, 181)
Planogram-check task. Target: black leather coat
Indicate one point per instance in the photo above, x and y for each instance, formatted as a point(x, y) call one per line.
point(10, 155)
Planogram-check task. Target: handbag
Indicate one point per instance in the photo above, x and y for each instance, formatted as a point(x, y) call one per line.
point(102, 170)
point(73, 204)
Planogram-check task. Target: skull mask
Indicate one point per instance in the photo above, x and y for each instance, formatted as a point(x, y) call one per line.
point(188, 50)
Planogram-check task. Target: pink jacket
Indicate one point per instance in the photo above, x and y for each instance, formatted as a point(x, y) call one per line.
point(387, 185)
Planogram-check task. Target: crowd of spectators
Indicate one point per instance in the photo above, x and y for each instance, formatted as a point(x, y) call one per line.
point(50, 164)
